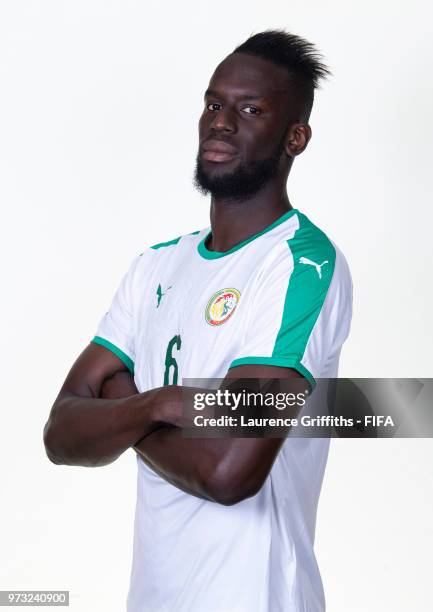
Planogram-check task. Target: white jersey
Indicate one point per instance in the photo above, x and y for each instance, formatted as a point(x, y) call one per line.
point(282, 297)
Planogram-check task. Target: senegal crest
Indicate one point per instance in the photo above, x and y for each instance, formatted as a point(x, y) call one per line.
point(221, 306)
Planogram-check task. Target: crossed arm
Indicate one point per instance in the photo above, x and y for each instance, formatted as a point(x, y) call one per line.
point(99, 413)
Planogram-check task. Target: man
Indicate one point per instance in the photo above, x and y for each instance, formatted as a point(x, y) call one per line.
point(222, 524)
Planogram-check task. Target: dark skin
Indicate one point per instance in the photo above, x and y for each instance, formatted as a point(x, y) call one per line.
point(252, 104)
point(249, 106)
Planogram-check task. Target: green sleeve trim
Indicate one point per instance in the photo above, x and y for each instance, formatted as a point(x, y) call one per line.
point(282, 362)
point(314, 263)
point(114, 349)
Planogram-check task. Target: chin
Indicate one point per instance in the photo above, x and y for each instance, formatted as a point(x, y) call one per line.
point(213, 170)
point(214, 177)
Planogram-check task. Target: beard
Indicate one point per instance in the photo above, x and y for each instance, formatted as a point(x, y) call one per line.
point(242, 182)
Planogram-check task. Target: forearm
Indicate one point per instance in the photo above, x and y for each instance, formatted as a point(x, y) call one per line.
point(91, 432)
point(186, 463)
point(224, 470)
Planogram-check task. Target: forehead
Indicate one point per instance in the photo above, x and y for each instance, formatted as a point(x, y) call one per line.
point(242, 73)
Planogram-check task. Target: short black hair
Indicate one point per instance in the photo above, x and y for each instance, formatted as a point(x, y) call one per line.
point(301, 59)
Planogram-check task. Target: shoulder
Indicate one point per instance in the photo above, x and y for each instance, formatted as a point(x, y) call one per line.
point(307, 243)
point(185, 240)
point(312, 252)
point(161, 254)
point(168, 249)
point(304, 261)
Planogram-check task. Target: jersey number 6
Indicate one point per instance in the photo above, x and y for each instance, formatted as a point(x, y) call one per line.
point(170, 361)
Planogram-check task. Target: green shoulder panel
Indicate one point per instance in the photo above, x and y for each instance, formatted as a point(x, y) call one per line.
point(314, 262)
point(166, 244)
point(172, 242)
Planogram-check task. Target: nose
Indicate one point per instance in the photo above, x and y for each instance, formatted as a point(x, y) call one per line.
point(223, 121)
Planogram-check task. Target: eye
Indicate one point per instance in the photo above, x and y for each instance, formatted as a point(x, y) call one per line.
point(251, 110)
point(211, 106)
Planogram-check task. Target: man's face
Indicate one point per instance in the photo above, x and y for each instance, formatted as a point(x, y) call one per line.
point(243, 127)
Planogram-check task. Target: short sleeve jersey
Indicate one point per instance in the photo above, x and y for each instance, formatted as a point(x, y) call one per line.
point(282, 297)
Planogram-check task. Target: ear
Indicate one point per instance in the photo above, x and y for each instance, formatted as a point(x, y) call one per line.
point(298, 137)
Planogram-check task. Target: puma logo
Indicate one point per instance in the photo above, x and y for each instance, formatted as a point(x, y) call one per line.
point(308, 262)
point(160, 293)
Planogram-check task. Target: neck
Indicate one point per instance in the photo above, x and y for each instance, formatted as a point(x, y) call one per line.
point(233, 221)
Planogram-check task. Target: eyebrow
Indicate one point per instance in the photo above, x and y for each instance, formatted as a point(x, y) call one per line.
point(250, 96)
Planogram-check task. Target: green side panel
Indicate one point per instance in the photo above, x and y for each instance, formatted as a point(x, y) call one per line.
point(171, 242)
point(314, 263)
point(114, 349)
point(281, 362)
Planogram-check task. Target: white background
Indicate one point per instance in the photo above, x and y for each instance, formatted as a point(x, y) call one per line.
point(98, 134)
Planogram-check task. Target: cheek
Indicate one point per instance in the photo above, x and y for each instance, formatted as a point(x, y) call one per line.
point(202, 122)
point(258, 145)
point(200, 126)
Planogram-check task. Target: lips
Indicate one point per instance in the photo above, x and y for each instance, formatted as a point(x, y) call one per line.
point(218, 151)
